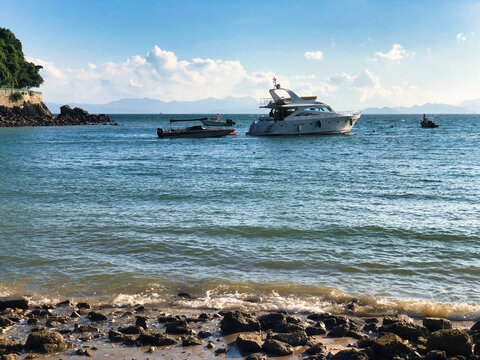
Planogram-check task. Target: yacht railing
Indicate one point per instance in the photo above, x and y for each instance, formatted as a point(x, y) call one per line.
point(349, 112)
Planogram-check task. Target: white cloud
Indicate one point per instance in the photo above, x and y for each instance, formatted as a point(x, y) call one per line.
point(303, 77)
point(314, 55)
point(397, 53)
point(461, 37)
point(160, 75)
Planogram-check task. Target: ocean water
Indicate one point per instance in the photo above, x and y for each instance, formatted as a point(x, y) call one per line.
point(388, 216)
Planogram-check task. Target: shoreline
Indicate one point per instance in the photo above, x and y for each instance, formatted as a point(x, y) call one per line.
point(148, 331)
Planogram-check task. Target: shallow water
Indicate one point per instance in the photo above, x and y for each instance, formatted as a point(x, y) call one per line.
point(389, 214)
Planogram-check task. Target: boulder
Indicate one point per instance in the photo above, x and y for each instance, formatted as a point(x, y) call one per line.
point(349, 355)
point(45, 341)
point(340, 330)
point(249, 343)
point(178, 327)
point(475, 327)
point(272, 320)
point(66, 303)
point(13, 303)
point(204, 334)
point(236, 321)
point(96, 316)
point(294, 339)
point(435, 324)
point(405, 330)
point(191, 341)
point(452, 341)
point(277, 348)
point(315, 349)
point(131, 330)
point(7, 346)
point(387, 320)
point(83, 305)
point(115, 336)
point(155, 339)
point(141, 321)
point(389, 345)
point(318, 329)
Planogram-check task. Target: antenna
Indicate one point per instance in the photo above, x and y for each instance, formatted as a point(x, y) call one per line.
point(274, 82)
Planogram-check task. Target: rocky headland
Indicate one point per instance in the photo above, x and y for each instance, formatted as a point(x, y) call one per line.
point(29, 114)
point(68, 330)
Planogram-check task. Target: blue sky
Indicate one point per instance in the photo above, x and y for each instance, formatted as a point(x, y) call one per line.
point(361, 53)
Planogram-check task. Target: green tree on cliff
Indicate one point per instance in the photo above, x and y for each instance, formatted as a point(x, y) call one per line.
point(15, 71)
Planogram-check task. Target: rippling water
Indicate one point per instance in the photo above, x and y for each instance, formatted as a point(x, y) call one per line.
point(389, 214)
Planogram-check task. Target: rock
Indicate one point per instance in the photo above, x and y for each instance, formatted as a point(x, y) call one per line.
point(7, 346)
point(115, 336)
point(13, 303)
point(84, 352)
point(389, 345)
point(151, 349)
point(288, 328)
point(13, 356)
point(77, 116)
point(339, 331)
point(81, 328)
point(191, 341)
point(407, 331)
point(294, 339)
point(315, 349)
point(184, 295)
point(434, 324)
point(221, 351)
point(256, 356)
point(452, 341)
point(349, 355)
point(318, 329)
point(365, 342)
point(141, 321)
point(236, 321)
point(155, 339)
point(45, 341)
point(277, 348)
point(5, 322)
point(177, 327)
point(436, 355)
point(387, 320)
point(140, 309)
point(74, 315)
point(210, 345)
point(249, 343)
point(371, 321)
point(96, 316)
point(272, 320)
point(204, 334)
point(131, 330)
point(66, 303)
point(475, 327)
point(130, 339)
point(83, 305)
point(33, 321)
point(293, 320)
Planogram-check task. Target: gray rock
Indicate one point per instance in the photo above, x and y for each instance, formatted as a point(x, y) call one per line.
point(96, 316)
point(315, 349)
point(407, 331)
point(141, 321)
point(256, 356)
point(339, 331)
point(349, 355)
point(83, 305)
point(249, 342)
point(277, 348)
point(435, 324)
point(272, 320)
point(178, 327)
point(236, 321)
point(452, 341)
point(131, 330)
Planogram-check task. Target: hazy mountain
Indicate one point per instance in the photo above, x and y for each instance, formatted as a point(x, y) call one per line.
point(474, 107)
point(228, 104)
point(471, 105)
point(376, 110)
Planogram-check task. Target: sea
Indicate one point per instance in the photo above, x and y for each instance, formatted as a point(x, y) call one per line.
point(383, 220)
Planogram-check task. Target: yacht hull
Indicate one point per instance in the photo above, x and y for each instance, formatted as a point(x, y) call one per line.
point(311, 126)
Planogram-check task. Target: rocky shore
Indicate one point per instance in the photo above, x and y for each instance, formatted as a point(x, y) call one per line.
point(68, 330)
point(39, 115)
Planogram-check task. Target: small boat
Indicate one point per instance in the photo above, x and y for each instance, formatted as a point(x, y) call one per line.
point(197, 131)
point(299, 115)
point(428, 124)
point(216, 120)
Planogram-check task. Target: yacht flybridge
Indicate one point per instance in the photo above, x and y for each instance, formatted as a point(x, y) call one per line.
point(300, 115)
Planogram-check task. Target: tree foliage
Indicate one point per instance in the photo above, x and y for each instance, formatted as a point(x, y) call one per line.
point(15, 71)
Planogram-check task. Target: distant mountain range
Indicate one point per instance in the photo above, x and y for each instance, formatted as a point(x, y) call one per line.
point(229, 104)
point(245, 105)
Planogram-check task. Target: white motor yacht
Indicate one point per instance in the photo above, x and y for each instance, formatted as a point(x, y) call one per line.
point(300, 115)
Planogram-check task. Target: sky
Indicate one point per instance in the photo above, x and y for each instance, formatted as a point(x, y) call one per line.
point(351, 54)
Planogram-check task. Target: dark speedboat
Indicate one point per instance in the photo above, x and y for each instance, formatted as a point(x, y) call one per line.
point(428, 124)
point(197, 131)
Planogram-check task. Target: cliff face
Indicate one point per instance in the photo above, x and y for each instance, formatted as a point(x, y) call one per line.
point(39, 115)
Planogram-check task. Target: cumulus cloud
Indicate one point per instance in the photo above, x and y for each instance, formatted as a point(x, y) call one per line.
point(397, 53)
point(314, 55)
point(159, 74)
